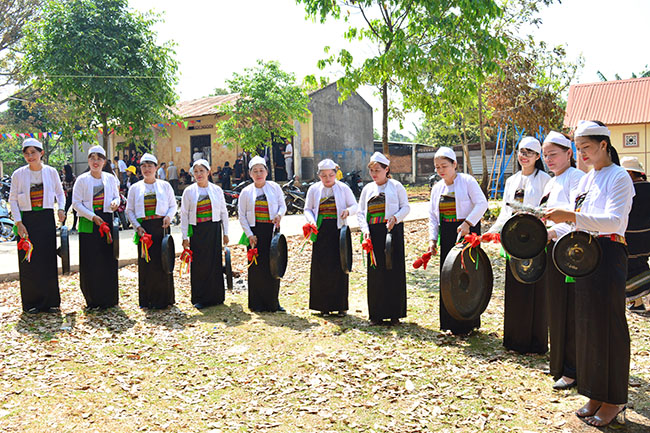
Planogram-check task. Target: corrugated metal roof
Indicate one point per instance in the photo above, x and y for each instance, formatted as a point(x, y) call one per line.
point(203, 106)
point(612, 102)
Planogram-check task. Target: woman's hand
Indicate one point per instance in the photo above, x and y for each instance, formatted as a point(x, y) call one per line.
point(186, 244)
point(463, 229)
point(433, 248)
point(166, 222)
point(97, 220)
point(345, 214)
point(560, 216)
point(391, 223)
point(276, 220)
point(551, 235)
point(61, 214)
point(141, 231)
point(22, 230)
point(252, 240)
point(226, 240)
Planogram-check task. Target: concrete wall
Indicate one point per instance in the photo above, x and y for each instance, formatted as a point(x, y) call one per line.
point(640, 151)
point(342, 132)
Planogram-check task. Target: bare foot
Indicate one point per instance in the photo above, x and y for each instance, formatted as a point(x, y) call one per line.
point(589, 409)
point(607, 414)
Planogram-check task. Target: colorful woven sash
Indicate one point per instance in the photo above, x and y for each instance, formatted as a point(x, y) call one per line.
point(262, 210)
point(377, 209)
point(327, 208)
point(36, 197)
point(204, 210)
point(447, 208)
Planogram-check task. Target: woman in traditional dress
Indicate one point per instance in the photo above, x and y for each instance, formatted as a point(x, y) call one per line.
point(457, 206)
point(95, 197)
point(525, 328)
point(150, 207)
point(328, 205)
point(34, 187)
point(383, 205)
point(603, 201)
point(204, 225)
point(637, 233)
point(261, 207)
point(560, 291)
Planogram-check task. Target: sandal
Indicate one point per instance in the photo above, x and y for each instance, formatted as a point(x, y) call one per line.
point(563, 384)
point(583, 412)
point(617, 420)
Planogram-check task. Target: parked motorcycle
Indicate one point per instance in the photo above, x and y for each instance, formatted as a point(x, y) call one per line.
point(294, 197)
point(232, 196)
point(354, 181)
point(6, 223)
point(5, 187)
point(433, 179)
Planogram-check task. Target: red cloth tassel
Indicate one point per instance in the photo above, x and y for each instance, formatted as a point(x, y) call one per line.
point(26, 245)
point(422, 261)
point(252, 257)
point(146, 242)
point(308, 229)
point(472, 240)
point(186, 260)
point(491, 237)
point(104, 229)
point(367, 247)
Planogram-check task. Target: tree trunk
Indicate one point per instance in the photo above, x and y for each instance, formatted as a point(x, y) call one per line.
point(468, 161)
point(46, 149)
point(484, 178)
point(271, 159)
point(384, 118)
point(105, 132)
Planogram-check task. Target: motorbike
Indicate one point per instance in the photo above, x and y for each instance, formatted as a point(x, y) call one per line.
point(6, 223)
point(232, 196)
point(433, 179)
point(354, 181)
point(5, 187)
point(177, 218)
point(294, 197)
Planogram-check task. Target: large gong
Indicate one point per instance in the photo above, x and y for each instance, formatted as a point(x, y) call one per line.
point(64, 250)
point(524, 236)
point(345, 249)
point(278, 258)
point(577, 254)
point(466, 291)
point(528, 271)
point(168, 253)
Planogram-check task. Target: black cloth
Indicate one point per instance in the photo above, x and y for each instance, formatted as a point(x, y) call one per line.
point(156, 288)
point(448, 235)
point(560, 300)
point(39, 283)
point(386, 288)
point(637, 266)
point(525, 326)
point(263, 288)
point(328, 284)
point(637, 237)
point(602, 336)
point(174, 184)
point(224, 177)
point(98, 268)
point(207, 267)
point(238, 169)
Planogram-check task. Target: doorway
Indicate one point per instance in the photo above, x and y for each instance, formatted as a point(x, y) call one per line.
point(200, 144)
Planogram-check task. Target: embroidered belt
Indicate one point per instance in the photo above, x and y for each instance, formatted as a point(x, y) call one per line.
point(614, 238)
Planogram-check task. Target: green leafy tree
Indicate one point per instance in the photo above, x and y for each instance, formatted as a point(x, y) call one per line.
point(269, 101)
point(220, 91)
point(14, 16)
point(103, 59)
point(412, 37)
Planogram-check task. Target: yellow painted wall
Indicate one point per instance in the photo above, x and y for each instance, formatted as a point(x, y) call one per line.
point(307, 138)
point(641, 151)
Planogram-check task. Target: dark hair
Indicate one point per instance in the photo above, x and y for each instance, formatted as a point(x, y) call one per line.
point(67, 170)
point(117, 158)
point(226, 164)
point(613, 154)
point(539, 165)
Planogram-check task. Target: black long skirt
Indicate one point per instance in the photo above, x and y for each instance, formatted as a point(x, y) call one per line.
point(525, 326)
point(207, 268)
point(560, 300)
point(328, 284)
point(39, 283)
point(98, 267)
point(448, 236)
point(386, 288)
point(602, 336)
point(263, 288)
point(637, 266)
point(156, 288)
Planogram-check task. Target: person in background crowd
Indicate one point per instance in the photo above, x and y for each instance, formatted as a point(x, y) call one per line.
point(121, 170)
point(197, 155)
point(68, 184)
point(34, 188)
point(226, 172)
point(172, 176)
point(288, 159)
point(238, 169)
point(637, 233)
point(131, 178)
point(161, 172)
